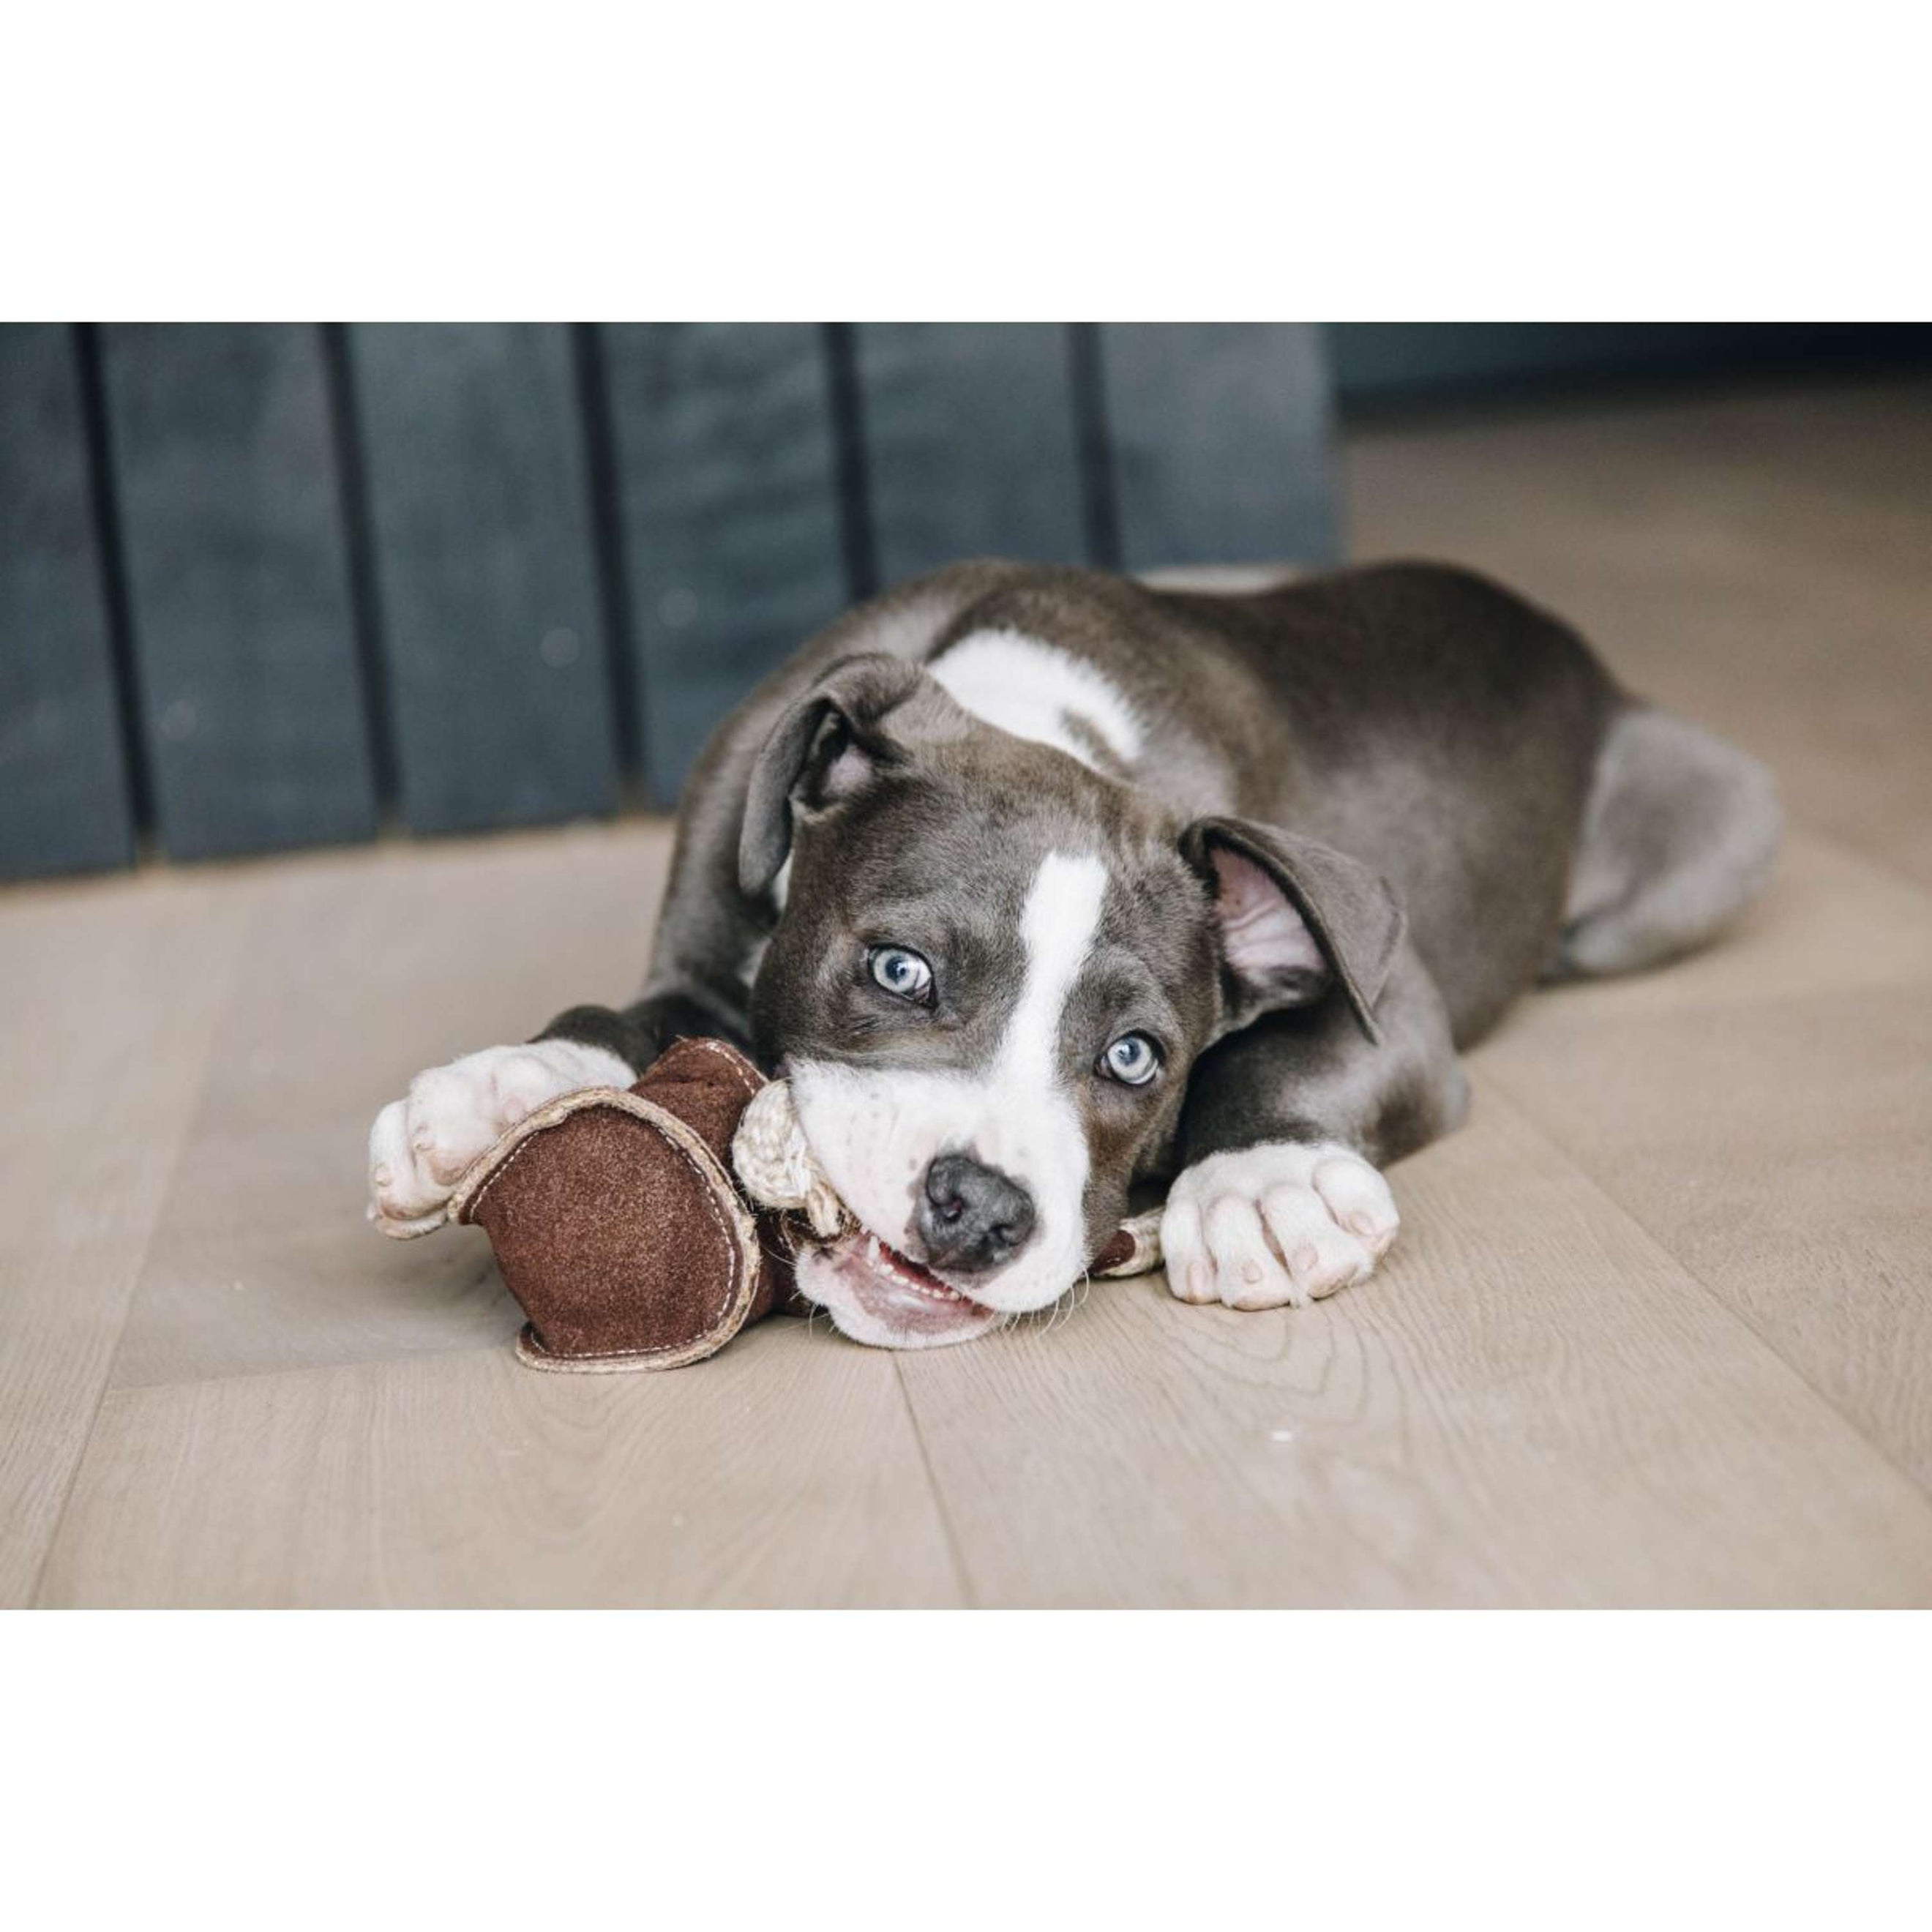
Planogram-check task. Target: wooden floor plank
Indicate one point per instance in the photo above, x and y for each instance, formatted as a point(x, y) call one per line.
point(1779, 1150)
point(113, 994)
point(782, 1472)
point(1534, 1405)
point(359, 970)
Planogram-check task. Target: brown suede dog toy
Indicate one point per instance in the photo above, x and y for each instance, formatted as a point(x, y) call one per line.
point(643, 1228)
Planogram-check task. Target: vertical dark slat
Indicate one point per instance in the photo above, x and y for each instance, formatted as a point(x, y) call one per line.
point(238, 586)
point(1219, 433)
point(359, 549)
point(972, 443)
point(65, 800)
point(480, 524)
point(607, 531)
point(848, 436)
point(732, 542)
point(1102, 513)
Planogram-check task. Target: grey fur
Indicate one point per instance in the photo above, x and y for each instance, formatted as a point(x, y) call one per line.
point(1680, 833)
point(1401, 739)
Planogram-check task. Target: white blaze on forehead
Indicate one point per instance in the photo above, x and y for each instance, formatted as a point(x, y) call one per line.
point(1033, 690)
point(1057, 924)
point(874, 1130)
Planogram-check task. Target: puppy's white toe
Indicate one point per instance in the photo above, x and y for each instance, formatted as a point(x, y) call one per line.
point(1320, 1256)
point(1285, 1223)
point(1358, 1198)
point(1190, 1274)
point(398, 1190)
point(1248, 1274)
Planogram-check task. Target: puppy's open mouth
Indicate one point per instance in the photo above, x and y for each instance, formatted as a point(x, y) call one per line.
point(877, 1294)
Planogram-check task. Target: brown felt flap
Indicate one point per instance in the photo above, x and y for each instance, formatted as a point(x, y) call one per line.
point(616, 1240)
point(707, 1084)
point(617, 1223)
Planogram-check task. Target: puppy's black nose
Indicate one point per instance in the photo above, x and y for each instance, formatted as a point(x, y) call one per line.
point(972, 1216)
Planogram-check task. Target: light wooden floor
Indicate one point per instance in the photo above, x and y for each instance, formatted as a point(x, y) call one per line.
point(1659, 1329)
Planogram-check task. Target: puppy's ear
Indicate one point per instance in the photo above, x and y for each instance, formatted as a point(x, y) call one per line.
point(825, 748)
point(1293, 918)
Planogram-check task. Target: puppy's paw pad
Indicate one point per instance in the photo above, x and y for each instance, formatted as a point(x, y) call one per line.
point(1283, 1224)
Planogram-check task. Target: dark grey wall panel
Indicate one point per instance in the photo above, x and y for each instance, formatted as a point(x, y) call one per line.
point(1220, 439)
point(730, 514)
point(479, 514)
point(972, 446)
point(65, 802)
point(237, 584)
point(1383, 367)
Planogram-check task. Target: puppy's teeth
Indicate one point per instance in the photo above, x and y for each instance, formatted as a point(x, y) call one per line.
point(903, 1273)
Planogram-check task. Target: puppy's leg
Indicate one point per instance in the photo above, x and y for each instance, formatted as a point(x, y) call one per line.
point(1279, 1200)
point(1680, 834)
point(421, 1145)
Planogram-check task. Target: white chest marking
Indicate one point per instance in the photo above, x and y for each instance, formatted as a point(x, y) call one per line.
point(1037, 691)
point(874, 1130)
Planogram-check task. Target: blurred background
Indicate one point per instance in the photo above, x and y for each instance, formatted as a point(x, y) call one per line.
point(271, 585)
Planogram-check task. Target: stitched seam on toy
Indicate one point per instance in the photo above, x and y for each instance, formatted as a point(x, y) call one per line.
point(707, 1184)
point(742, 1282)
point(612, 1354)
point(532, 1351)
point(497, 1173)
point(679, 1133)
point(732, 1248)
point(469, 1190)
point(710, 1167)
point(747, 1078)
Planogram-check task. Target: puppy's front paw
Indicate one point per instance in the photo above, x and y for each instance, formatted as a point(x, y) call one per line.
point(421, 1145)
point(1283, 1222)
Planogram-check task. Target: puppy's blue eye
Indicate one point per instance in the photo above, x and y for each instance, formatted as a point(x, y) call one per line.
point(1133, 1059)
point(900, 970)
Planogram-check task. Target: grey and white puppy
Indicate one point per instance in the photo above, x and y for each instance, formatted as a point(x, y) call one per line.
point(1042, 884)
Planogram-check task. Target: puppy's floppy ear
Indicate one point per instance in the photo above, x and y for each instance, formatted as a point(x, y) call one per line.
point(1294, 917)
point(825, 747)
